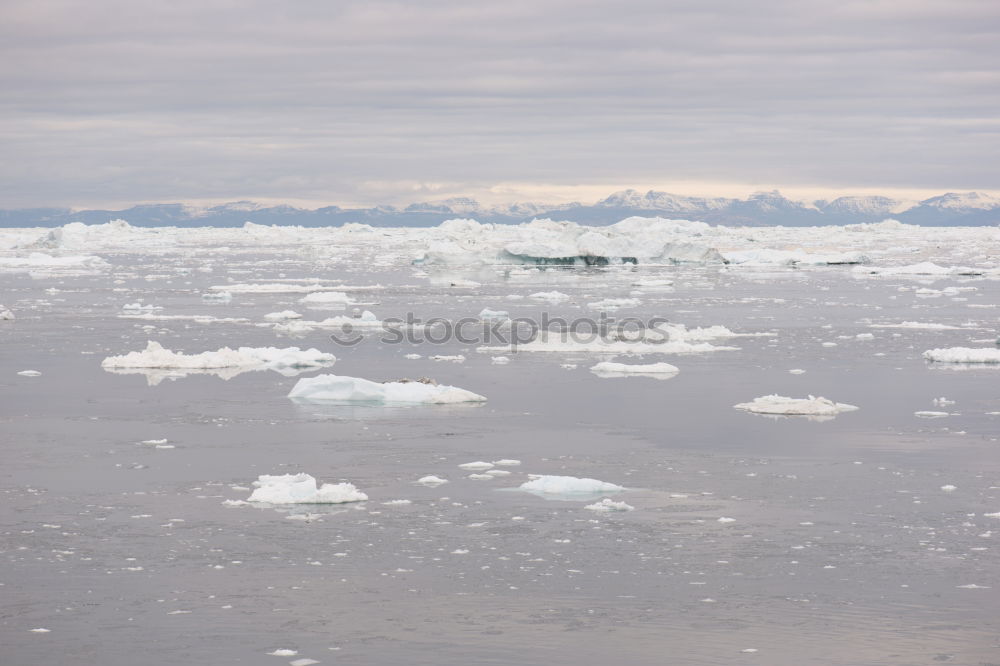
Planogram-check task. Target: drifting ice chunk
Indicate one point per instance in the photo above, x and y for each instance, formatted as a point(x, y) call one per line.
point(550, 296)
point(326, 298)
point(614, 303)
point(607, 506)
point(926, 326)
point(431, 480)
point(925, 268)
point(811, 406)
point(284, 315)
point(217, 297)
point(486, 313)
point(302, 489)
point(609, 369)
point(40, 260)
point(555, 342)
point(335, 388)
point(964, 355)
point(569, 487)
point(140, 307)
point(155, 356)
point(5, 314)
point(30, 373)
point(507, 462)
point(478, 465)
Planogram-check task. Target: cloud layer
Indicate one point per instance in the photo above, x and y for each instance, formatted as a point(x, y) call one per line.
point(115, 101)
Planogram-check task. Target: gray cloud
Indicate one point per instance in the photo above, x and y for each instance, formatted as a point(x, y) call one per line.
point(123, 101)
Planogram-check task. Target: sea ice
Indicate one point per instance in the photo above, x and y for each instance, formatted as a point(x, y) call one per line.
point(284, 315)
point(964, 355)
point(336, 388)
point(607, 506)
point(302, 489)
point(609, 369)
point(326, 298)
point(478, 465)
point(155, 356)
point(811, 406)
point(568, 486)
point(431, 480)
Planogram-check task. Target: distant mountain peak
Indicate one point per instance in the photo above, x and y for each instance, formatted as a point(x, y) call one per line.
point(762, 208)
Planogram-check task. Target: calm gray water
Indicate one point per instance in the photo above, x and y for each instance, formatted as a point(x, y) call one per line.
point(843, 548)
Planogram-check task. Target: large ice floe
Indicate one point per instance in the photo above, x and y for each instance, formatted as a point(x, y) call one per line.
point(980, 355)
point(657, 370)
point(289, 361)
point(568, 487)
point(653, 341)
point(779, 405)
point(923, 269)
point(367, 320)
point(634, 240)
point(302, 489)
point(336, 388)
point(39, 260)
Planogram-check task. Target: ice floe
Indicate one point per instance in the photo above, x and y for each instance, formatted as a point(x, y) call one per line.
point(568, 487)
point(607, 505)
point(431, 481)
point(336, 388)
point(783, 406)
point(326, 299)
point(155, 356)
point(980, 355)
point(302, 489)
point(925, 268)
point(609, 369)
point(283, 315)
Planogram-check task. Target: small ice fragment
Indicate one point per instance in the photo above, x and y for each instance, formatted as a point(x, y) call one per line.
point(500, 360)
point(949, 488)
point(397, 502)
point(30, 373)
point(724, 519)
point(457, 358)
point(283, 652)
point(480, 477)
point(303, 662)
point(40, 630)
point(506, 462)
point(607, 506)
point(796, 371)
point(930, 414)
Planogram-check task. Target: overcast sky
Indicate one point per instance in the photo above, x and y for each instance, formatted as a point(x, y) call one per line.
point(318, 101)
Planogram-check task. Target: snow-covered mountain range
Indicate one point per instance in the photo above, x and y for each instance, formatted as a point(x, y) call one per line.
point(759, 209)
